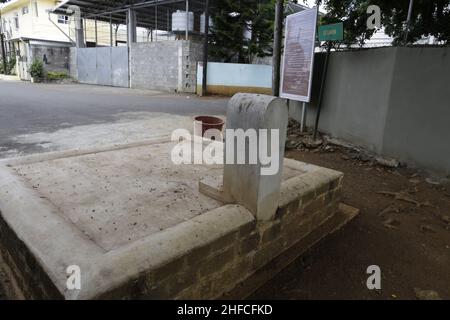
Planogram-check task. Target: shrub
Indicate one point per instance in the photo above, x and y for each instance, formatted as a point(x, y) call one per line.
point(54, 75)
point(37, 70)
point(10, 65)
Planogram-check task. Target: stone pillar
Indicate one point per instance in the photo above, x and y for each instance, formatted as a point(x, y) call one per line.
point(249, 184)
point(131, 26)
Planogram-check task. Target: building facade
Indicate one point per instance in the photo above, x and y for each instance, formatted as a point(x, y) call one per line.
point(33, 32)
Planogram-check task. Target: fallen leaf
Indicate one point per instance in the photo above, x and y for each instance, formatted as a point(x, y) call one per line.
point(390, 209)
point(445, 219)
point(426, 294)
point(426, 228)
point(403, 196)
point(391, 223)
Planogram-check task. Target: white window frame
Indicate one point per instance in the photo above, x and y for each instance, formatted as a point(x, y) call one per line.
point(63, 19)
point(25, 10)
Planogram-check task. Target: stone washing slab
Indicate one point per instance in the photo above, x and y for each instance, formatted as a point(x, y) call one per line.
point(98, 209)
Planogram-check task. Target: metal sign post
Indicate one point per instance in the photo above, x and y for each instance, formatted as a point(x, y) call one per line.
point(303, 120)
point(322, 89)
point(328, 33)
point(297, 68)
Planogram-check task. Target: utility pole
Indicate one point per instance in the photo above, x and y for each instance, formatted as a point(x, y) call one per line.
point(3, 52)
point(278, 36)
point(408, 20)
point(2, 43)
point(205, 51)
point(110, 31)
point(187, 20)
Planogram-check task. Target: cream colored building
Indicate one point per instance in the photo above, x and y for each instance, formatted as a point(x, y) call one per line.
point(32, 32)
point(29, 19)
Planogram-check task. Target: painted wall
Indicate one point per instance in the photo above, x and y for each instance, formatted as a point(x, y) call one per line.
point(393, 101)
point(35, 23)
point(230, 78)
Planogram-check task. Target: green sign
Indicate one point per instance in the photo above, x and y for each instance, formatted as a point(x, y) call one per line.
point(331, 32)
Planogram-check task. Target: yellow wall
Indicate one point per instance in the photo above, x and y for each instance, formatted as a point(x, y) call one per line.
point(34, 24)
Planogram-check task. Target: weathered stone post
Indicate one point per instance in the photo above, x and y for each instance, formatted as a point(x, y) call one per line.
point(256, 184)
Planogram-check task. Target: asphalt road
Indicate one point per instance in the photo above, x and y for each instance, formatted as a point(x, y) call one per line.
point(27, 108)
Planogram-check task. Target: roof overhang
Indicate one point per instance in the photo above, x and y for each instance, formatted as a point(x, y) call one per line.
point(10, 5)
point(151, 14)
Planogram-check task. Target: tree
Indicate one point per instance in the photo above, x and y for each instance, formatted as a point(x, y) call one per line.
point(429, 18)
point(242, 29)
point(353, 13)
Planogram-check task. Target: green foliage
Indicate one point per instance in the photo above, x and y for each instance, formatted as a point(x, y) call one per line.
point(429, 18)
point(353, 13)
point(37, 70)
point(10, 65)
point(54, 75)
point(231, 19)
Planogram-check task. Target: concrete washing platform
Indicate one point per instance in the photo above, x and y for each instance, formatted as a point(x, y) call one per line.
point(138, 227)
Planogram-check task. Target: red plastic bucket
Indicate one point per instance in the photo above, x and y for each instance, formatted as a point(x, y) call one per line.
point(205, 123)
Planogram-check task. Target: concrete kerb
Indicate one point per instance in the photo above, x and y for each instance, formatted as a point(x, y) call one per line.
point(35, 158)
point(36, 223)
point(164, 247)
point(9, 78)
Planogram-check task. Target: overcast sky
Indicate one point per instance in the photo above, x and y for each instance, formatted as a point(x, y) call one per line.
point(312, 3)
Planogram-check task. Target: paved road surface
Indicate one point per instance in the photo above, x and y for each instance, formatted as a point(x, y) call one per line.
point(27, 109)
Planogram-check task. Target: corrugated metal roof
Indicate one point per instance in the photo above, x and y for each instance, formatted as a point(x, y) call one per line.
point(148, 11)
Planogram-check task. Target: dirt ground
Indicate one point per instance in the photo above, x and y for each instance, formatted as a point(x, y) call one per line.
point(407, 237)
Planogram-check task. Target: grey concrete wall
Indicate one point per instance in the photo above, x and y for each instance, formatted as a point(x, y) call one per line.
point(357, 96)
point(169, 66)
point(165, 65)
point(58, 58)
point(393, 101)
point(190, 69)
point(417, 127)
